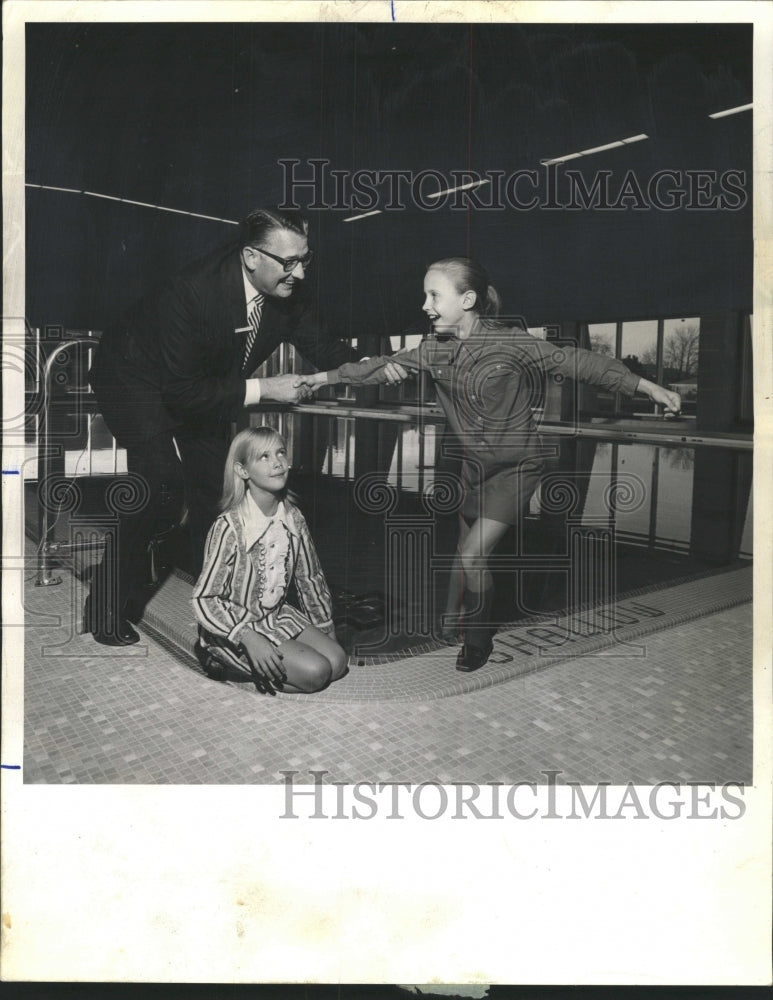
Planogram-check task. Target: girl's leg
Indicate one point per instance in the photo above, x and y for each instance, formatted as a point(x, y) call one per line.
point(481, 539)
point(336, 656)
point(448, 629)
point(479, 542)
point(311, 661)
point(456, 580)
point(306, 669)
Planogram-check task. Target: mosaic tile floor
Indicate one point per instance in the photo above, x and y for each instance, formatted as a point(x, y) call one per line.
point(531, 645)
point(681, 712)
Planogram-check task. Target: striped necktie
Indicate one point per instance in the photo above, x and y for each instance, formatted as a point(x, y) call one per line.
point(254, 325)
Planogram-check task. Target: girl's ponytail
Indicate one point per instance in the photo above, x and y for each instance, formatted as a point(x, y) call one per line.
point(492, 304)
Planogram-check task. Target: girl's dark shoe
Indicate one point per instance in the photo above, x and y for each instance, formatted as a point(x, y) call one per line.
point(473, 657)
point(478, 631)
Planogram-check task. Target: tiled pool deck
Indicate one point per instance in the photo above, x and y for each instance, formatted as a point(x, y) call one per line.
point(668, 697)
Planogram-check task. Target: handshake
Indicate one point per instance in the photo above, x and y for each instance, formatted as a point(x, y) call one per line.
point(296, 388)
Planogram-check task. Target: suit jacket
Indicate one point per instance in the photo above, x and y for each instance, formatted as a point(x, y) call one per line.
point(175, 358)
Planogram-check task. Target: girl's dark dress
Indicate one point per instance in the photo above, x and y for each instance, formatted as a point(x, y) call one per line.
point(487, 385)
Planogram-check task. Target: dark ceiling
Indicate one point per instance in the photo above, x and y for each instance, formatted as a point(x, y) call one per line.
point(196, 117)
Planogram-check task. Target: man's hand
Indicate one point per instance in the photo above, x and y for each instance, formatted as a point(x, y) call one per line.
point(282, 389)
point(672, 401)
point(265, 661)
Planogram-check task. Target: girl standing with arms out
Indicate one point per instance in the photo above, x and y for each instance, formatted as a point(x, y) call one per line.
point(255, 549)
point(487, 374)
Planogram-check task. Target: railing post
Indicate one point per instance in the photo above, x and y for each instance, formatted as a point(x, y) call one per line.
point(45, 575)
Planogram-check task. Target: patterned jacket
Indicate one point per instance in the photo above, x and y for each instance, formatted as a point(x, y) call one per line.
point(230, 593)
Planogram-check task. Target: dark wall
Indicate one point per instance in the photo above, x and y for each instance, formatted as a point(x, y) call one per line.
point(196, 117)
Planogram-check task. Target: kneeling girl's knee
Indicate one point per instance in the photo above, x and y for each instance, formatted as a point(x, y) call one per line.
point(339, 661)
point(317, 674)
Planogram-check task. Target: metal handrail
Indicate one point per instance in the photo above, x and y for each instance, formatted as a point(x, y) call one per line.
point(407, 414)
point(45, 577)
point(401, 413)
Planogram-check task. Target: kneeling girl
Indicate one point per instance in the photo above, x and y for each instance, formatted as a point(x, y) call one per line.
point(255, 549)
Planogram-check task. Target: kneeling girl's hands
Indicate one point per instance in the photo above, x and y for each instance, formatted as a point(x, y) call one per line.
point(264, 659)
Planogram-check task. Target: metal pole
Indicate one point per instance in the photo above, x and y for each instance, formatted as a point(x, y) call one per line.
point(45, 576)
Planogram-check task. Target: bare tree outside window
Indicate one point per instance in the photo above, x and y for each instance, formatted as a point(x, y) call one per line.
point(680, 353)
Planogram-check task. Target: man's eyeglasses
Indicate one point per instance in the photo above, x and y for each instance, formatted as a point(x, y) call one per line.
point(289, 263)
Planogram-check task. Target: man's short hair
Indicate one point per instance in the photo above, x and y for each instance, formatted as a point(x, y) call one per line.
point(259, 225)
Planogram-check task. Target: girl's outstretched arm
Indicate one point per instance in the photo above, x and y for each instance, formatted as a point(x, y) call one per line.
point(390, 374)
point(594, 369)
point(672, 401)
point(381, 370)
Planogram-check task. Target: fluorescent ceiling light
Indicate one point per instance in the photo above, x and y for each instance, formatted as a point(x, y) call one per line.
point(462, 187)
point(595, 149)
point(354, 218)
point(732, 111)
point(129, 201)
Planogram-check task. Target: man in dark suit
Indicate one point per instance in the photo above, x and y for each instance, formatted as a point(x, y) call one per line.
point(173, 374)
